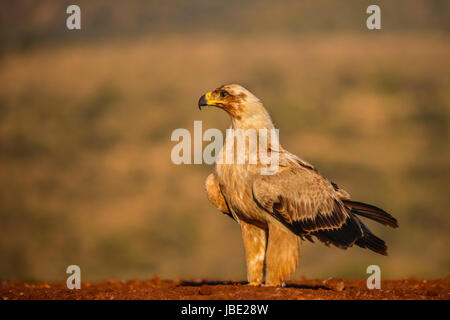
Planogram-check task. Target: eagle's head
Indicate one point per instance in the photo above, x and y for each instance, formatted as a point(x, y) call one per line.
point(245, 109)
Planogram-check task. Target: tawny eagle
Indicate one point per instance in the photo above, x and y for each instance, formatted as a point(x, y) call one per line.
point(277, 211)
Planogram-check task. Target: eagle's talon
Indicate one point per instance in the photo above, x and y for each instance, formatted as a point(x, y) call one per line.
point(275, 285)
point(254, 284)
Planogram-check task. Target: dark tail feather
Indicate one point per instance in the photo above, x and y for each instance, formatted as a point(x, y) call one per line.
point(343, 237)
point(371, 241)
point(371, 212)
point(354, 231)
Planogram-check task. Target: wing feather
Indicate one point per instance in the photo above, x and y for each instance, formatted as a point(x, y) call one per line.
point(301, 199)
point(310, 205)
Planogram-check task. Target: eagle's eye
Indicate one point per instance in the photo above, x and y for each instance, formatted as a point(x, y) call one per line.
point(223, 94)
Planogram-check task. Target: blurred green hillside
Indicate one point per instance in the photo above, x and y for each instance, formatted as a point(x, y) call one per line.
point(86, 118)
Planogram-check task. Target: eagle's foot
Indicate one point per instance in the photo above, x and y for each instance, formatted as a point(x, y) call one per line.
point(254, 284)
point(274, 284)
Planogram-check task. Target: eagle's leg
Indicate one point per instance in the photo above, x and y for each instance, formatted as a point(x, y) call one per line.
point(255, 239)
point(282, 255)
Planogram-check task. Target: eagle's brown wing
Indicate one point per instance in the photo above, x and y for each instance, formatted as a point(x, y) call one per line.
point(300, 198)
point(308, 204)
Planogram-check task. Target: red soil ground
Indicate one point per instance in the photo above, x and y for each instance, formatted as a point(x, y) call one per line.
point(175, 289)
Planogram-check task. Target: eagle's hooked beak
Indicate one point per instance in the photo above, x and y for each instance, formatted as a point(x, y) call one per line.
point(205, 100)
point(202, 102)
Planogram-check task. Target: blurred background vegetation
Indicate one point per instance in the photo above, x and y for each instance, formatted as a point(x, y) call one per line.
point(86, 118)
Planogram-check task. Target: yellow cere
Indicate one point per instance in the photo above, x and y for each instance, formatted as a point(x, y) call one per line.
point(208, 98)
